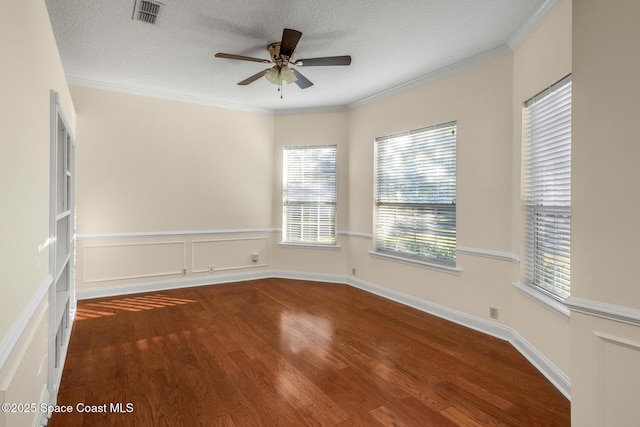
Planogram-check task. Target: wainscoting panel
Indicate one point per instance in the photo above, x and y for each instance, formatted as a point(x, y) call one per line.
point(209, 256)
point(23, 377)
point(108, 262)
point(614, 357)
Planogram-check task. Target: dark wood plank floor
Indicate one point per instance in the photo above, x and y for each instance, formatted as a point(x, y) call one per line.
point(292, 353)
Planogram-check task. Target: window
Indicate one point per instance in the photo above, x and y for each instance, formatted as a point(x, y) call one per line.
point(547, 189)
point(416, 194)
point(309, 201)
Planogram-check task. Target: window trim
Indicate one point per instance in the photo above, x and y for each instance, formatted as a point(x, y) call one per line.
point(415, 262)
point(542, 298)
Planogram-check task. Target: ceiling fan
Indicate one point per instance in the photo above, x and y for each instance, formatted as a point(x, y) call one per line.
point(281, 54)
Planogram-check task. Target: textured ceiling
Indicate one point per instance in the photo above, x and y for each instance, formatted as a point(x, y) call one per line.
point(392, 42)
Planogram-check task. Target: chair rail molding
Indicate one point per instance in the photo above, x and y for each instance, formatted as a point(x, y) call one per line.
point(613, 312)
point(9, 342)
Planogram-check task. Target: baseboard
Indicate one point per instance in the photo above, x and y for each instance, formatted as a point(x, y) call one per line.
point(43, 417)
point(561, 381)
point(537, 359)
point(558, 378)
point(163, 285)
point(476, 323)
point(313, 277)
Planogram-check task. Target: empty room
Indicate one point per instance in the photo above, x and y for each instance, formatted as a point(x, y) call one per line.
point(407, 213)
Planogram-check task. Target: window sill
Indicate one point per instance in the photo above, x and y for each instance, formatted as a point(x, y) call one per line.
point(545, 300)
point(309, 246)
point(415, 262)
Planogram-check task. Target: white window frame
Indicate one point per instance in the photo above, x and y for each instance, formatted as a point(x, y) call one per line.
point(546, 175)
point(309, 198)
point(418, 225)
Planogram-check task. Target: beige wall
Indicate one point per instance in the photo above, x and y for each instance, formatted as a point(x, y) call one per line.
point(162, 167)
point(148, 164)
point(329, 128)
point(30, 69)
point(605, 231)
point(479, 99)
point(542, 59)
point(606, 150)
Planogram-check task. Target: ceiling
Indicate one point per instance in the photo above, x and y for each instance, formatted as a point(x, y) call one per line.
point(392, 43)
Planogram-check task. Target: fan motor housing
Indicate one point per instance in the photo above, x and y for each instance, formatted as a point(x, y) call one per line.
point(274, 51)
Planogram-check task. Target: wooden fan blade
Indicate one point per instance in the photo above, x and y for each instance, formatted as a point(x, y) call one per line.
point(328, 60)
point(253, 78)
point(290, 39)
point(241, 58)
point(302, 81)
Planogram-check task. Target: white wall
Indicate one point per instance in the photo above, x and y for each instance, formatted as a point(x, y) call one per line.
point(30, 69)
point(605, 326)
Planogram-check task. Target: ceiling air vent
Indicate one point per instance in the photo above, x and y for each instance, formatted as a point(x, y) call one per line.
point(147, 11)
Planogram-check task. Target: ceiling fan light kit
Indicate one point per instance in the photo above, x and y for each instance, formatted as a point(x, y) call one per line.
point(281, 54)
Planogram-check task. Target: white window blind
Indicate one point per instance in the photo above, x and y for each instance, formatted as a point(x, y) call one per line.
point(309, 201)
point(416, 194)
point(547, 190)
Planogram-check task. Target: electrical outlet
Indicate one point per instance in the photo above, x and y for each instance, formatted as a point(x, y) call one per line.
point(493, 312)
point(211, 269)
point(254, 257)
point(184, 271)
point(353, 271)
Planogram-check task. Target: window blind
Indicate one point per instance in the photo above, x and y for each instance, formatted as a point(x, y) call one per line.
point(416, 193)
point(547, 190)
point(309, 200)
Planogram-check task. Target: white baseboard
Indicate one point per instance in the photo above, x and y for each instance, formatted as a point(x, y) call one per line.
point(313, 277)
point(558, 378)
point(162, 285)
point(43, 417)
point(476, 323)
point(537, 359)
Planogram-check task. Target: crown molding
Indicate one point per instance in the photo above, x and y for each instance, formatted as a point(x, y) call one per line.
point(532, 24)
point(311, 110)
point(94, 84)
point(435, 75)
point(545, 10)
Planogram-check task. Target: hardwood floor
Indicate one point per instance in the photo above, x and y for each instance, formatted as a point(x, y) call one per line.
point(280, 352)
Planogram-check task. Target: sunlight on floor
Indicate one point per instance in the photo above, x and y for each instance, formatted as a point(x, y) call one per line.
point(92, 310)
